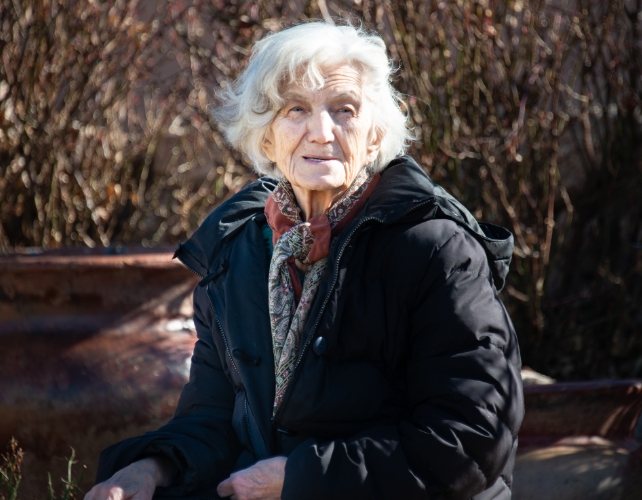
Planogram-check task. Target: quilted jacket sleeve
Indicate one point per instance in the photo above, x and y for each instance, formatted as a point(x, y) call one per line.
point(464, 390)
point(199, 440)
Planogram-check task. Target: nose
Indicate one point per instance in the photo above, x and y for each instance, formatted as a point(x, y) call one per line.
point(320, 128)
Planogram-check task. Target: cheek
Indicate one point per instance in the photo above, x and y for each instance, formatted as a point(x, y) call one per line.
point(286, 141)
point(355, 143)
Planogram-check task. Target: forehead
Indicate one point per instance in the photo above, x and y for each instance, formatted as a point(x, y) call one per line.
point(338, 81)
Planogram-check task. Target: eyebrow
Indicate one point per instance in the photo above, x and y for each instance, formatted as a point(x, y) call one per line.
point(293, 96)
point(347, 95)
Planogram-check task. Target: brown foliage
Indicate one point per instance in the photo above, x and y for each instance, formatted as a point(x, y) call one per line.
point(86, 100)
point(529, 111)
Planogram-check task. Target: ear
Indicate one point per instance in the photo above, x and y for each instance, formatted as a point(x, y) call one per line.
point(376, 137)
point(268, 145)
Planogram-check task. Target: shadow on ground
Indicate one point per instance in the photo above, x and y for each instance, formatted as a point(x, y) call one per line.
point(598, 469)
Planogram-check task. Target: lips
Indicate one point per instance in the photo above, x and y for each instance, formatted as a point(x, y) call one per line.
point(319, 158)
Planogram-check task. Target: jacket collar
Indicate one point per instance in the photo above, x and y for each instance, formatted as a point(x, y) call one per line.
point(404, 188)
point(199, 253)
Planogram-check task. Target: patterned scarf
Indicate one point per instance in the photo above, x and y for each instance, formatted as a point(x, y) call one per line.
point(309, 243)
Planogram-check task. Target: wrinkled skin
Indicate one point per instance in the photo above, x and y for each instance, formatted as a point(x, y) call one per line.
point(320, 140)
point(262, 481)
point(138, 481)
point(135, 482)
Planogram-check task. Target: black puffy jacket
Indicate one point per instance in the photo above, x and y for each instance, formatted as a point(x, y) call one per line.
point(408, 383)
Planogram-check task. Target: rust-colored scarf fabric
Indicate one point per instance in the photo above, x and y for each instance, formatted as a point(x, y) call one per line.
point(308, 242)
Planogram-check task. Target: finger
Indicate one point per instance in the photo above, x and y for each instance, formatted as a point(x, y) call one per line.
point(141, 495)
point(226, 488)
point(93, 494)
point(97, 493)
point(100, 493)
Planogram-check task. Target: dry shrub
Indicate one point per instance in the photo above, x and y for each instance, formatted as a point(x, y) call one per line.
point(89, 92)
point(529, 111)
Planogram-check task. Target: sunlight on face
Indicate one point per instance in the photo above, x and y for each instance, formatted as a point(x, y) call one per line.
point(320, 139)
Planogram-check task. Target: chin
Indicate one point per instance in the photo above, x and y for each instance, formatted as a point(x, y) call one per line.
point(324, 183)
point(323, 179)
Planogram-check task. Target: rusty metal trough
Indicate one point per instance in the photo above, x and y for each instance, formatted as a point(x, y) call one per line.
point(95, 348)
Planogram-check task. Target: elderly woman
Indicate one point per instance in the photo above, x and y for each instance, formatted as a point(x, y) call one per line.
point(351, 343)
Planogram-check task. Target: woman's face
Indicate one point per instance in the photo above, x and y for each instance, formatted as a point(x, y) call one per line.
point(320, 139)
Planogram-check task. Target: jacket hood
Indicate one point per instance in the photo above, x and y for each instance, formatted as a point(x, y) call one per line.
point(404, 188)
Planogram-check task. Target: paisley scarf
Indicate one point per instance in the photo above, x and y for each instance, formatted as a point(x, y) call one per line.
point(309, 243)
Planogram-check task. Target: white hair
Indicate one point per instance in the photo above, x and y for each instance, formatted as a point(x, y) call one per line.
point(299, 54)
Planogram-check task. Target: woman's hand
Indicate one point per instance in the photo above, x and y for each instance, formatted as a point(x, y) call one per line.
point(262, 481)
point(135, 482)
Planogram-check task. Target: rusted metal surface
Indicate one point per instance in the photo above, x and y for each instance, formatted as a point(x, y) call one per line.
point(608, 409)
point(94, 349)
point(48, 294)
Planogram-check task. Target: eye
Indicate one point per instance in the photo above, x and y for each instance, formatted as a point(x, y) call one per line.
point(345, 110)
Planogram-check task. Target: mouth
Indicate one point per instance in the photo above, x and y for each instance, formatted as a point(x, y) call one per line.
point(319, 158)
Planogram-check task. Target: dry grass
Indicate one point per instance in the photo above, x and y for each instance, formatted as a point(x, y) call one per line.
point(11, 475)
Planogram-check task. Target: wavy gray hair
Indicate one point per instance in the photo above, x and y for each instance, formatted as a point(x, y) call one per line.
point(248, 106)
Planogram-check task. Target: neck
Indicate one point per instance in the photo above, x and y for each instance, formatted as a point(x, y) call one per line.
point(315, 203)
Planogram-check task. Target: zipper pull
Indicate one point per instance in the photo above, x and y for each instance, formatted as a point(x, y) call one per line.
point(246, 358)
point(212, 276)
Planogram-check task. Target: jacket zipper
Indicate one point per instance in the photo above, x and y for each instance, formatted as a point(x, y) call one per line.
point(325, 302)
point(220, 327)
point(249, 430)
point(327, 297)
point(334, 282)
point(316, 324)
